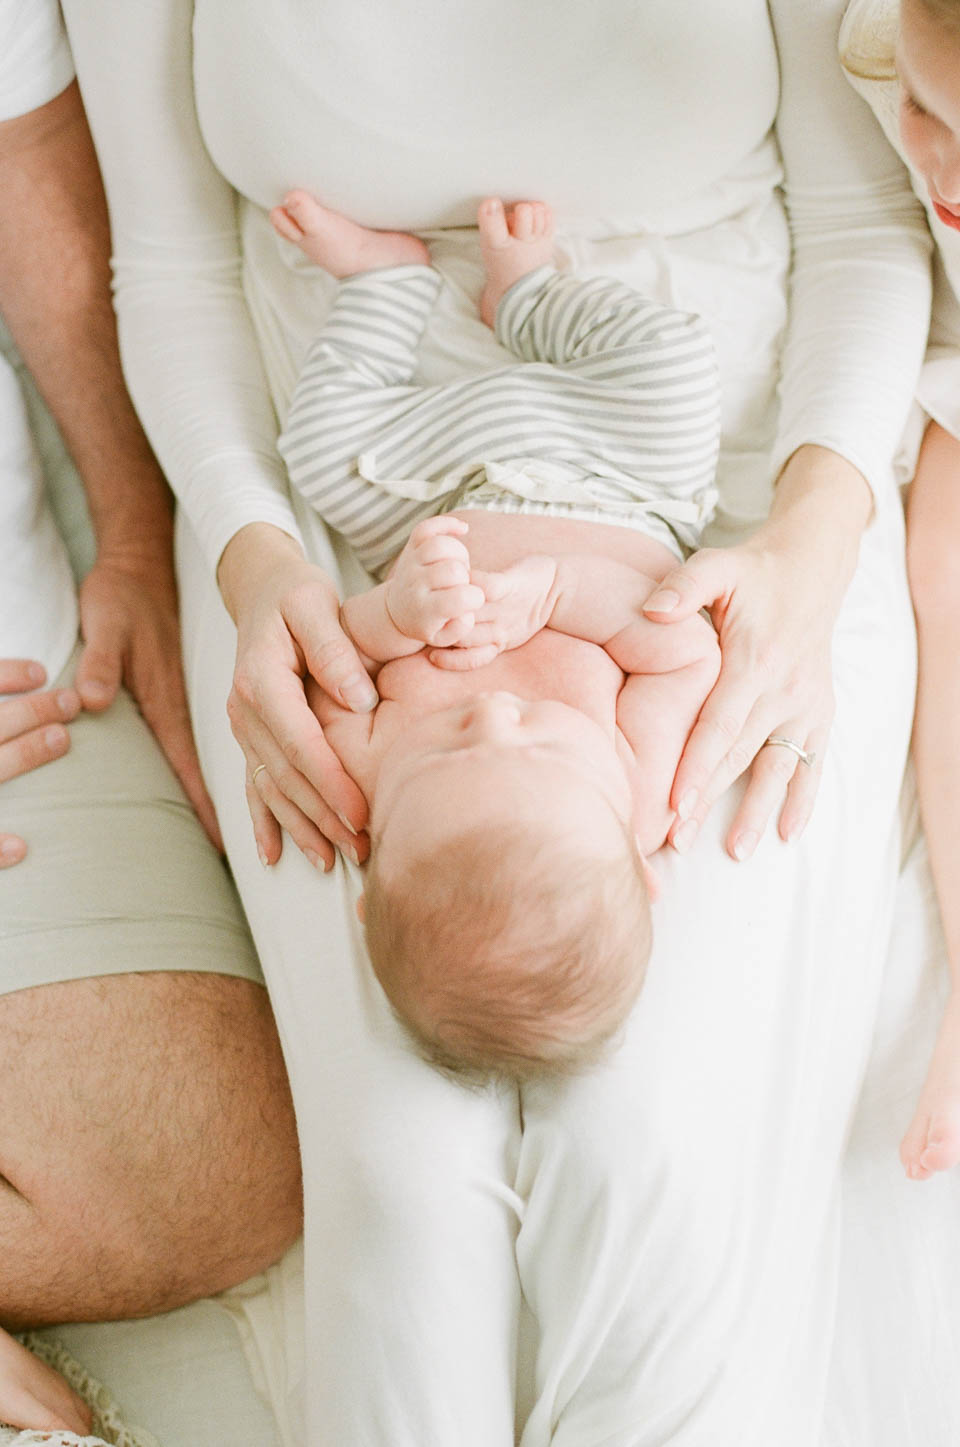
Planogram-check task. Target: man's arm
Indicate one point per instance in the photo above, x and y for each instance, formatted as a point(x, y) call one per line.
point(55, 297)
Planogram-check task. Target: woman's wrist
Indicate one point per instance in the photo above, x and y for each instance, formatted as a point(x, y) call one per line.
point(820, 509)
point(251, 555)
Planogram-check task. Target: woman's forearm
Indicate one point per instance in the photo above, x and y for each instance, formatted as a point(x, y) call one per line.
point(821, 506)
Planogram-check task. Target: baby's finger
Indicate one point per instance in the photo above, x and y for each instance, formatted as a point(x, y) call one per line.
point(439, 550)
point(453, 632)
point(495, 586)
point(448, 603)
point(448, 573)
point(442, 525)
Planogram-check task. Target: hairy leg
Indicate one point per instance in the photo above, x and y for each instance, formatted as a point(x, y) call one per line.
point(147, 1145)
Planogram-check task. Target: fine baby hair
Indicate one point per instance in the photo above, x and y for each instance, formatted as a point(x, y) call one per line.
point(512, 955)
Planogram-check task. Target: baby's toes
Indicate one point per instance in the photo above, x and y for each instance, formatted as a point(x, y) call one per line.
point(521, 222)
point(492, 222)
point(284, 224)
point(303, 209)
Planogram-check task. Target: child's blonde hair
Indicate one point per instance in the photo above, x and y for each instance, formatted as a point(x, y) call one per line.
point(516, 955)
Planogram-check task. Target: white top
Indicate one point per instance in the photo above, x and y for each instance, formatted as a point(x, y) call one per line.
point(867, 45)
point(38, 609)
point(35, 63)
point(405, 114)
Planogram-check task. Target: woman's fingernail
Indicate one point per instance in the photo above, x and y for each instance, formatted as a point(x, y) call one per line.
point(359, 693)
point(96, 688)
point(688, 803)
point(262, 855)
point(36, 673)
point(346, 823)
point(745, 844)
point(351, 853)
point(664, 602)
point(684, 836)
point(314, 858)
point(67, 702)
point(55, 737)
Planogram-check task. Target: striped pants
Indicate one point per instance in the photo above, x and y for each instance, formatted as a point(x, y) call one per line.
point(614, 405)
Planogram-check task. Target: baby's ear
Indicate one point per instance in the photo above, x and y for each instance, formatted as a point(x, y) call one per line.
point(651, 877)
point(361, 910)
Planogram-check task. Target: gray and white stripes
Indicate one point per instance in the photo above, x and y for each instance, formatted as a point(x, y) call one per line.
point(614, 408)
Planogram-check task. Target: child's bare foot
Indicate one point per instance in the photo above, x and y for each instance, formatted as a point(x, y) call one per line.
point(339, 245)
point(512, 244)
point(933, 1141)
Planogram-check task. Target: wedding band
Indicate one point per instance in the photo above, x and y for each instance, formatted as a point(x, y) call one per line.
point(253, 776)
point(805, 756)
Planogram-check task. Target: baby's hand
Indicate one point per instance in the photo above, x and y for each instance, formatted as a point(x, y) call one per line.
point(429, 594)
point(33, 1395)
point(518, 603)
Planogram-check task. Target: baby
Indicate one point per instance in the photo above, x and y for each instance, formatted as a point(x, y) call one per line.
point(520, 761)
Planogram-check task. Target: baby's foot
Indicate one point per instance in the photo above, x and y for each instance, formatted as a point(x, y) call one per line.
point(339, 245)
point(513, 245)
point(933, 1141)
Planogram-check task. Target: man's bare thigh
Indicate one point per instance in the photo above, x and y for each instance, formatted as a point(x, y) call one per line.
point(147, 1144)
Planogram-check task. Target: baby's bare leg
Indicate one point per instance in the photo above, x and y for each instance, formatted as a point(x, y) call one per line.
point(147, 1145)
point(339, 245)
point(513, 244)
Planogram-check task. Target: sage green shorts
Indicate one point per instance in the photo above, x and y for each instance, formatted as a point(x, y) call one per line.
point(120, 876)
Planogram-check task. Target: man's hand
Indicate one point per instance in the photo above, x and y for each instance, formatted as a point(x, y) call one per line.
point(429, 595)
point(31, 732)
point(131, 632)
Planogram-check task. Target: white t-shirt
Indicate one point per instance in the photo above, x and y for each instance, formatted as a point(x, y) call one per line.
point(38, 608)
point(657, 132)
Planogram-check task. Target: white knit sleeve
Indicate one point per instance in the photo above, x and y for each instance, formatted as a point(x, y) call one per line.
point(860, 281)
point(190, 356)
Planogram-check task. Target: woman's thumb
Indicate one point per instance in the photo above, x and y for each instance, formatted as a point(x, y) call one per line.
point(684, 591)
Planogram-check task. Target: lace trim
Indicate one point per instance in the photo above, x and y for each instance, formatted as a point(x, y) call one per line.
point(109, 1429)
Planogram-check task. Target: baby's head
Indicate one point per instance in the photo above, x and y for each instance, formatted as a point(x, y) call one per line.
point(928, 69)
point(505, 904)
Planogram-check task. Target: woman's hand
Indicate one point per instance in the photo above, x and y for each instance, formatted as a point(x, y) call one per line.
point(131, 630)
point(35, 1397)
point(288, 625)
point(774, 601)
point(32, 732)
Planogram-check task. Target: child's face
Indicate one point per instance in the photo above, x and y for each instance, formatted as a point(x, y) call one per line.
point(928, 67)
point(508, 761)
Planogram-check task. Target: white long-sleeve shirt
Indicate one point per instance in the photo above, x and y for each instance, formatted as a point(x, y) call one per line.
point(649, 129)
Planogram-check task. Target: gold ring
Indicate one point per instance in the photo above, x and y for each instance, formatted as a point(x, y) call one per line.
point(253, 776)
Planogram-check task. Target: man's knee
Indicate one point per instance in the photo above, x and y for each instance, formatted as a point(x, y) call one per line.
point(148, 1144)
